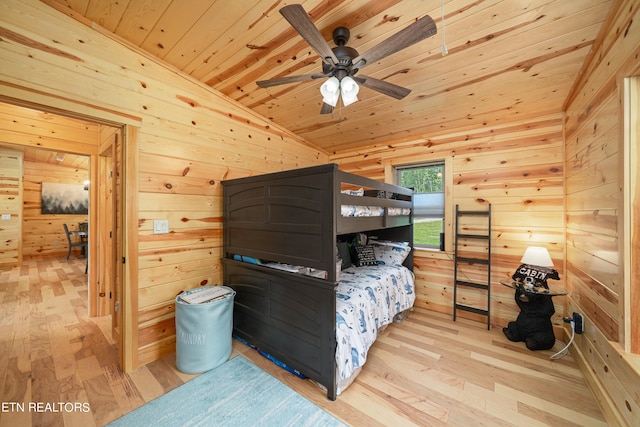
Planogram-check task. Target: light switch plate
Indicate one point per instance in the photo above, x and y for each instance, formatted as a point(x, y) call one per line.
point(160, 226)
point(6, 217)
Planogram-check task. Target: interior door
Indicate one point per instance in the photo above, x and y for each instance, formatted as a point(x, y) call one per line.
point(117, 241)
point(109, 280)
point(105, 241)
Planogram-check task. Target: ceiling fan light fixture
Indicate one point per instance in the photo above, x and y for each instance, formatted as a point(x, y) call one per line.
point(330, 91)
point(349, 89)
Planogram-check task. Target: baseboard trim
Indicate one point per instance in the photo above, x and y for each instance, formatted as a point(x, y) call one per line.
point(609, 409)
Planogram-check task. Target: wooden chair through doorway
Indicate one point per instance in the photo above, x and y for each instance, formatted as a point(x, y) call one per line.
point(82, 243)
point(83, 228)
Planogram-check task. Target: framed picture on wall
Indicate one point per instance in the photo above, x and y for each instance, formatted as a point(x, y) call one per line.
point(64, 198)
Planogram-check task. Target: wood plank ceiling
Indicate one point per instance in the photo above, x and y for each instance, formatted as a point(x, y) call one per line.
point(507, 60)
point(47, 130)
point(41, 155)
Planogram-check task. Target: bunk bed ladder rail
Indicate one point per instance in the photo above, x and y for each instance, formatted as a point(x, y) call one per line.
point(484, 287)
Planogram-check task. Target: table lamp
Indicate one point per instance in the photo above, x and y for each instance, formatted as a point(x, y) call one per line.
point(536, 268)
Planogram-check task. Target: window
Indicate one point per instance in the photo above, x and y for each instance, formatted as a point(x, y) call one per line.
point(427, 182)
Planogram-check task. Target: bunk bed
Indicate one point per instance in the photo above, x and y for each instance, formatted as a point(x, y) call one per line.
point(294, 219)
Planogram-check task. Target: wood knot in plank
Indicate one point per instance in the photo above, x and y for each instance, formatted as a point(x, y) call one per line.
point(189, 101)
point(389, 18)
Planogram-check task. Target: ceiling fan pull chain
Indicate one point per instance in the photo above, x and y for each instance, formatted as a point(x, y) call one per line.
point(445, 52)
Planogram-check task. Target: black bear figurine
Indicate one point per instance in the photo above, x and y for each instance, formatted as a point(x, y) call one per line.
point(533, 325)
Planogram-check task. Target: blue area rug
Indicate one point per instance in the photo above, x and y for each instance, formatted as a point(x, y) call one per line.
point(236, 393)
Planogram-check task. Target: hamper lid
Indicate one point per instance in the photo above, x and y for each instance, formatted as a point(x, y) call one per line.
point(201, 296)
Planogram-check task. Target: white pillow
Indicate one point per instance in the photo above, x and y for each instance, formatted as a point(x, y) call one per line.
point(390, 253)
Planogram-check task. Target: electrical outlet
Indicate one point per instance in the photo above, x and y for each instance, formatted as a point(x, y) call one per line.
point(578, 323)
point(6, 217)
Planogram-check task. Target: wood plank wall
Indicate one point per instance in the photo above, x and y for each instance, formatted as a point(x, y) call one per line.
point(518, 168)
point(189, 138)
point(595, 212)
point(10, 204)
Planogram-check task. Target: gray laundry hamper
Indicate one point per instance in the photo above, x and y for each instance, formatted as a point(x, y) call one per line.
point(203, 330)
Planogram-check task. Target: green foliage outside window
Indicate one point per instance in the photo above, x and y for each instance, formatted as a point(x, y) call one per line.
point(427, 233)
point(425, 179)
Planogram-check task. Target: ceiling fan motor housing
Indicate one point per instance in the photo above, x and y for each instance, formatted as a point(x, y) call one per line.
point(341, 36)
point(344, 53)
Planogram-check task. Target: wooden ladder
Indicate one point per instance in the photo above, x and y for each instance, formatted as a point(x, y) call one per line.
point(484, 262)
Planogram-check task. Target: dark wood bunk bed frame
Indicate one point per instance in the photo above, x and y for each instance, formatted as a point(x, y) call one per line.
point(294, 217)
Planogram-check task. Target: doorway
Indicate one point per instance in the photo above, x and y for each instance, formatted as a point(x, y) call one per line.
point(104, 153)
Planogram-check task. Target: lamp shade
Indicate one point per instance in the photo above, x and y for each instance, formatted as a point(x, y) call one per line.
point(537, 255)
point(330, 91)
point(350, 90)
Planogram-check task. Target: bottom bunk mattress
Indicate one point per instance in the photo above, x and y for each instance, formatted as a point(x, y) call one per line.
point(367, 299)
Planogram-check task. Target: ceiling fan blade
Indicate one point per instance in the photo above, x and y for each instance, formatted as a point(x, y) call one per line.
point(288, 79)
point(326, 108)
point(300, 21)
point(395, 91)
point(419, 30)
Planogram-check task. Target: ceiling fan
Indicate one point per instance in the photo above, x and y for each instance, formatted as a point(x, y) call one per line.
point(341, 63)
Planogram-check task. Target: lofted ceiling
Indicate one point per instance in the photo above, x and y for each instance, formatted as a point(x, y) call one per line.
point(507, 60)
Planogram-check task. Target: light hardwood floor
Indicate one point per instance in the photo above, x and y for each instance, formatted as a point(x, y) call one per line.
point(425, 371)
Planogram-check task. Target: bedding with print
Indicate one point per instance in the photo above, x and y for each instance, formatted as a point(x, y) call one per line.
point(368, 298)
